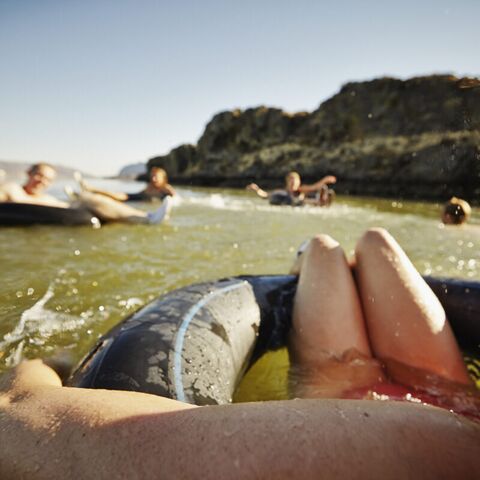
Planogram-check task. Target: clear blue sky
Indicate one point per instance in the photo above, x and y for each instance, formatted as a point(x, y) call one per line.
point(98, 84)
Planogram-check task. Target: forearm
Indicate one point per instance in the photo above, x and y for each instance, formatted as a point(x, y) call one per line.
point(170, 190)
point(119, 196)
point(255, 188)
point(49, 431)
point(328, 179)
point(56, 432)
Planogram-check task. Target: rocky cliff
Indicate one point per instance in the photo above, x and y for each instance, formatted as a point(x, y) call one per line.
point(418, 138)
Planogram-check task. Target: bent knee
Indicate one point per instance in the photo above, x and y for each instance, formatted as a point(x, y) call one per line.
point(322, 243)
point(323, 246)
point(373, 239)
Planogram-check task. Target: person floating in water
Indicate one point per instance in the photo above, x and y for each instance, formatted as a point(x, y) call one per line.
point(456, 212)
point(41, 175)
point(298, 194)
point(157, 188)
point(349, 333)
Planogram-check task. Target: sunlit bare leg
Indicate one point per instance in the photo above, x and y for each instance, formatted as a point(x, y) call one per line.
point(328, 342)
point(110, 210)
point(107, 209)
point(406, 322)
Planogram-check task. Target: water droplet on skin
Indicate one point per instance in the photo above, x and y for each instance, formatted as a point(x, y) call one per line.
point(230, 429)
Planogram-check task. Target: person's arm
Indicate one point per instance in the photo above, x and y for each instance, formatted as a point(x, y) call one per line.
point(14, 193)
point(50, 201)
point(255, 188)
point(49, 431)
point(329, 179)
point(118, 196)
point(169, 190)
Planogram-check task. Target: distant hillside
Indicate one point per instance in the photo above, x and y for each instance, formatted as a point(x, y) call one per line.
point(418, 138)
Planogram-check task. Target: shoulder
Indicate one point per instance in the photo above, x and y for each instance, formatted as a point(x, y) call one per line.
point(11, 192)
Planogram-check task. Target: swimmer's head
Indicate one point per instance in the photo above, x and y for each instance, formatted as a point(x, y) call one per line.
point(40, 176)
point(456, 212)
point(293, 181)
point(158, 177)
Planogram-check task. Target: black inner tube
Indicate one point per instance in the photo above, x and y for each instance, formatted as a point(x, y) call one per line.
point(30, 214)
point(195, 343)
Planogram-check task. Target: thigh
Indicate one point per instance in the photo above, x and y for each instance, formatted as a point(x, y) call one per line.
point(327, 315)
point(405, 320)
point(329, 348)
point(107, 209)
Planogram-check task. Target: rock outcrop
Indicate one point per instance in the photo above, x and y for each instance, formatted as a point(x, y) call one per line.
point(418, 138)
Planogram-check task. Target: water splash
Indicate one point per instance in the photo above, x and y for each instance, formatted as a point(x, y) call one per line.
point(37, 324)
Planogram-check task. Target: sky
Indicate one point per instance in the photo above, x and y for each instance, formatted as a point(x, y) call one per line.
point(100, 84)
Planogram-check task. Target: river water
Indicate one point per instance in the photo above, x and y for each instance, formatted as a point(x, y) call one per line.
point(62, 287)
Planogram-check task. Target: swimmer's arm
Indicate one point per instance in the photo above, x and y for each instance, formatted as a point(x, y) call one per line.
point(46, 200)
point(50, 201)
point(318, 185)
point(14, 193)
point(49, 431)
point(255, 188)
point(169, 190)
point(119, 196)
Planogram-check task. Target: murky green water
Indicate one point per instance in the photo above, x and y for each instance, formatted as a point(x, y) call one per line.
point(63, 287)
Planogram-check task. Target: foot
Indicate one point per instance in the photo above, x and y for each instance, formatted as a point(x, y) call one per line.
point(162, 213)
point(70, 193)
point(79, 178)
